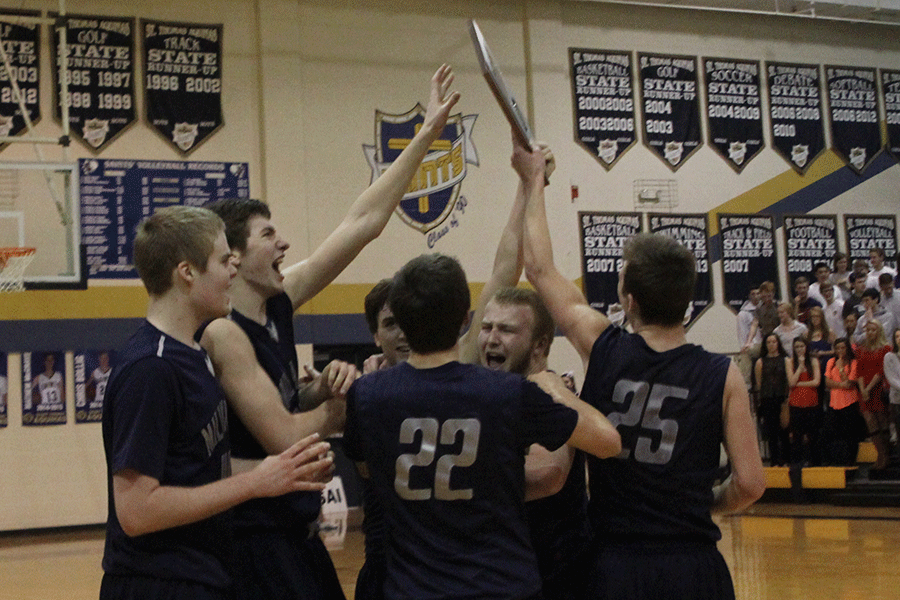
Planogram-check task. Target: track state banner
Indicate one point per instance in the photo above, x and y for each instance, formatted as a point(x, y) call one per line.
point(100, 75)
point(748, 256)
point(734, 109)
point(808, 239)
point(183, 87)
point(866, 232)
point(692, 232)
point(43, 388)
point(603, 237)
point(603, 100)
point(22, 43)
point(890, 89)
point(853, 109)
point(795, 111)
point(671, 106)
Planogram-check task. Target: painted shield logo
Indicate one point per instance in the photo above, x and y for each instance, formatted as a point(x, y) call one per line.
point(435, 186)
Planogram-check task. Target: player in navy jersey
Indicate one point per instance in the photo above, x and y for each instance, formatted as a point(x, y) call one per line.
point(444, 445)
point(165, 427)
point(282, 555)
point(673, 403)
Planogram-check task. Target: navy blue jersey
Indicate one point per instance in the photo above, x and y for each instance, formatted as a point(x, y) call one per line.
point(445, 449)
point(667, 406)
point(277, 355)
point(165, 416)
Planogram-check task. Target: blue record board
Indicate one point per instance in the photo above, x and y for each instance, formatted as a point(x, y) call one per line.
point(116, 194)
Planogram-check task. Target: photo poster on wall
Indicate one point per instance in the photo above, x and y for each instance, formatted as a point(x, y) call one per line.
point(22, 43)
point(183, 85)
point(748, 256)
point(4, 391)
point(866, 232)
point(603, 237)
point(115, 195)
point(890, 91)
point(734, 109)
point(853, 112)
point(808, 239)
point(670, 106)
point(43, 388)
point(692, 231)
point(100, 76)
point(603, 101)
point(796, 112)
point(92, 371)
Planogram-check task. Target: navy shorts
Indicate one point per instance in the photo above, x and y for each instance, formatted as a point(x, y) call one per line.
point(139, 587)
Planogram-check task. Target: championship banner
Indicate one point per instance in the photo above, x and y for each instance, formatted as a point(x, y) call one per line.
point(890, 89)
point(603, 237)
point(808, 239)
point(734, 109)
point(4, 392)
point(692, 231)
point(100, 63)
point(183, 87)
point(43, 388)
point(22, 44)
point(795, 111)
point(671, 106)
point(866, 232)
point(603, 97)
point(853, 107)
point(92, 371)
point(748, 255)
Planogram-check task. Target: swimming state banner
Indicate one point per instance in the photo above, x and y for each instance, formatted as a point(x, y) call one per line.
point(795, 112)
point(866, 232)
point(808, 239)
point(853, 111)
point(603, 237)
point(603, 100)
point(734, 109)
point(692, 231)
point(890, 90)
point(748, 255)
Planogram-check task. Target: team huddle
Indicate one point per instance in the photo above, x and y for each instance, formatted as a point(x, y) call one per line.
point(471, 451)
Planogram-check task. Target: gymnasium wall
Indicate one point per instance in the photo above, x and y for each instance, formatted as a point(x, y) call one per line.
point(302, 82)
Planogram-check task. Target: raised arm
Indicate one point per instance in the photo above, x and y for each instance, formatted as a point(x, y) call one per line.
point(581, 324)
point(369, 215)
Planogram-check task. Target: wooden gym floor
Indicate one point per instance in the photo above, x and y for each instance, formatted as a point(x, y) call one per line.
point(775, 552)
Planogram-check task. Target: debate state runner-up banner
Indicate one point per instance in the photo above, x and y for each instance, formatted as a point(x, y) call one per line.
point(692, 231)
point(748, 255)
point(603, 98)
point(670, 106)
point(808, 239)
point(796, 112)
point(734, 109)
point(853, 108)
point(890, 90)
point(603, 237)
point(866, 232)
point(22, 43)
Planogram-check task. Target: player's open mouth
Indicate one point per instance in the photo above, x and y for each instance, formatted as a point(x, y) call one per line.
point(276, 265)
point(493, 360)
point(403, 349)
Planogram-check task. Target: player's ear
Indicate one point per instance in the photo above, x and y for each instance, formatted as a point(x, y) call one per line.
point(184, 272)
point(465, 324)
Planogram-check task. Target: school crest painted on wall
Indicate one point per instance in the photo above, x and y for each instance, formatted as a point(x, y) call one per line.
point(435, 187)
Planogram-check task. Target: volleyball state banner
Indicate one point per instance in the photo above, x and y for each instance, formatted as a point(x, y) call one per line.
point(853, 111)
point(603, 237)
point(22, 45)
point(100, 76)
point(890, 90)
point(748, 255)
point(808, 239)
point(734, 109)
point(183, 86)
point(670, 106)
point(692, 232)
point(867, 232)
point(603, 100)
point(795, 112)
point(43, 388)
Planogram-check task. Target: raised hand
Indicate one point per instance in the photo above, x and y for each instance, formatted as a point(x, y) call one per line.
point(440, 102)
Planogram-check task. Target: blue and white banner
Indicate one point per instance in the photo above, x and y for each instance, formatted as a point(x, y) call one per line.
point(43, 388)
point(92, 371)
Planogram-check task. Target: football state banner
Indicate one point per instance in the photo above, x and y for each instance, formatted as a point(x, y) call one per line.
point(4, 391)
point(890, 89)
point(603, 99)
point(734, 109)
point(853, 108)
point(603, 237)
point(867, 232)
point(183, 86)
point(671, 106)
point(43, 388)
point(692, 231)
point(808, 239)
point(100, 76)
point(22, 44)
point(795, 111)
point(92, 371)
point(748, 255)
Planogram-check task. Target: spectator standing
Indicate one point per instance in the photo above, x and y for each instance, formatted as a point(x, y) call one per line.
point(804, 376)
point(890, 300)
point(876, 259)
point(873, 311)
point(844, 426)
point(766, 319)
point(772, 393)
point(892, 376)
point(840, 275)
point(833, 308)
point(870, 355)
point(788, 327)
point(822, 274)
point(854, 302)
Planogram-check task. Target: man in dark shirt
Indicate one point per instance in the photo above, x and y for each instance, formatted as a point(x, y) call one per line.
point(803, 301)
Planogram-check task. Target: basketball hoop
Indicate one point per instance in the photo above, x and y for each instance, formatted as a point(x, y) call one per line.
point(13, 262)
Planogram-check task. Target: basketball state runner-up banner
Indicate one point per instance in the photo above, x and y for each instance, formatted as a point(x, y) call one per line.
point(748, 255)
point(795, 113)
point(692, 232)
point(603, 239)
point(22, 45)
